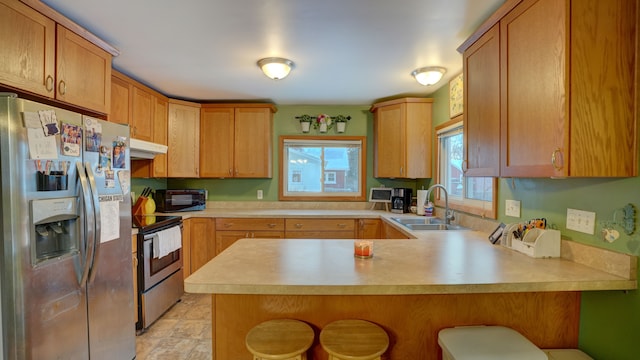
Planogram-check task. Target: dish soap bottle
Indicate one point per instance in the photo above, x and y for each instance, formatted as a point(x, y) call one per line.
point(428, 209)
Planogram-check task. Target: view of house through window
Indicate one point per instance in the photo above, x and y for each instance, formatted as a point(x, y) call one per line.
point(313, 167)
point(470, 194)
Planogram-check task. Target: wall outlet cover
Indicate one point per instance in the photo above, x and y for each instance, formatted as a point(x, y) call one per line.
point(260, 194)
point(512, 208)
point(582, 221)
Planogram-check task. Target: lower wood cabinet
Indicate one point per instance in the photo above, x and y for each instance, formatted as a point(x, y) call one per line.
point(369, 229)
point(320, 228)
point(229, 230)
point(201, 241)
point(389, 232)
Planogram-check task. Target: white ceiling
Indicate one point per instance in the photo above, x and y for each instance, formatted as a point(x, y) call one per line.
point(345, 51)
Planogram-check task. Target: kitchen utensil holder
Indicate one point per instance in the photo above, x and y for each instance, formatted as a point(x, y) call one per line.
point(55, 180)
point(537, 243)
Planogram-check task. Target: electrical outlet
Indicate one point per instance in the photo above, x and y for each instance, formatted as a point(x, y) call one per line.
point(582, 221)
point(259, 194)
point(512, 208)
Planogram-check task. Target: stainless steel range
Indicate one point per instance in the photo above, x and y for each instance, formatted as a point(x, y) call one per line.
point(160, 279)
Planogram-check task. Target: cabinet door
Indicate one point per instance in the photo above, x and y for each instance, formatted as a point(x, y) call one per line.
point(534, 123)
point(203, 241)
point(417, 140)
point(389, 146)
point(120, 101)
point(482, 105)
point(142, 106)
point(159, 168)
point(252, 143)
point(134, 259)
point(216, 142)
point(389, 232)
point(28, 48)
point(184, 132)
point(369, 229)
point(83, 72)
point(186, 248)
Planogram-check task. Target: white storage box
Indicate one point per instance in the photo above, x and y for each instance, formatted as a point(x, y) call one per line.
point(486, 343)
point(536, 243)
point(566, 354)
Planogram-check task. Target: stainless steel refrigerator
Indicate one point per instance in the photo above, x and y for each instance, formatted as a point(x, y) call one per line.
point(66, 263)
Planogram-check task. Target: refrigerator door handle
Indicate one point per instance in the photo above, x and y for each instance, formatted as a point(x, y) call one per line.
point(89, 221)
point(98, 222)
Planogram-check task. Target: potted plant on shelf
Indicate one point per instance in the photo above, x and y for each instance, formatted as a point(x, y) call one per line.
point(341, 122)
point(323, 123)
point(305, 122)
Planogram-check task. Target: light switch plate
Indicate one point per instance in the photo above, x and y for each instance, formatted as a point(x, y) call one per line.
point(582, 221)
point(512, 208)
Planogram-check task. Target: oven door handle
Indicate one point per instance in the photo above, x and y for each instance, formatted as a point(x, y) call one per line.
point(87, 245)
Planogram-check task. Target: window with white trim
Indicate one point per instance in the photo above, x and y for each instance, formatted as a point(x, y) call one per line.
point(322, 168)
point(476, 195)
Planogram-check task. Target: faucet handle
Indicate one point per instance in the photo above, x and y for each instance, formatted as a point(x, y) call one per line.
point(451, 215)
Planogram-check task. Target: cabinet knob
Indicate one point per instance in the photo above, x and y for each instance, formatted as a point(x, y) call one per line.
point(230, 172)
point(48, 83)
point(401, 170)
point(62, 87)
point(298, 226)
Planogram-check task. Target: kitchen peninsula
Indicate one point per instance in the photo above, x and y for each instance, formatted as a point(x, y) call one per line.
point(412, 288)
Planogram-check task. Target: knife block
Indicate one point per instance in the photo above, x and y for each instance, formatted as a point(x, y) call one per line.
point(138, 207)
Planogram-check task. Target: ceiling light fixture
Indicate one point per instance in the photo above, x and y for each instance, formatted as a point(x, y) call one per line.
point(428, 76)
point(275, 68)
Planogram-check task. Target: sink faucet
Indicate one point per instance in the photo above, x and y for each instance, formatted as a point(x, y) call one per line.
point(447, 215)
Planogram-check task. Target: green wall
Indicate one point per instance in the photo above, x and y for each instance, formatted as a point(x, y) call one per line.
point(610, 320)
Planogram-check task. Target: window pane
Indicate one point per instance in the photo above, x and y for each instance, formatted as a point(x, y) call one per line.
point(451, 164)
point(318, 167)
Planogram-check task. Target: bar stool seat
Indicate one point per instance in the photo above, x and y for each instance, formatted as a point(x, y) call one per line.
point(280, 339)
point(354, 340)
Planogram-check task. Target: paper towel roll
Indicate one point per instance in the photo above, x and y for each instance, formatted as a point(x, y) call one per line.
point(422, 197)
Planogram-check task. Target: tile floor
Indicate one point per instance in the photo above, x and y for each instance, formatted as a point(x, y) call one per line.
point(182, 333)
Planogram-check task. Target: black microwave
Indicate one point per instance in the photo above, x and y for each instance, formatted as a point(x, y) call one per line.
point(174, 200)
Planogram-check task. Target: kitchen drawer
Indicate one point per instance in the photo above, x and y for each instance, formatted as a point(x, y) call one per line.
point(251, 224)
point(320, 234)
point(320, 225)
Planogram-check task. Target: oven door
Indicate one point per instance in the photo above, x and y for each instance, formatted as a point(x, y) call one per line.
point(157, 269)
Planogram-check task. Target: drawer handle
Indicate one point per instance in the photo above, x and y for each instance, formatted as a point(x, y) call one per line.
point(342, 225)
point(49, 83)
point(298, 226)
point(271, 225)
point(228, 225)
point(465, 166)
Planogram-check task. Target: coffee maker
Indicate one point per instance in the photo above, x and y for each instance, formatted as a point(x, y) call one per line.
point(400, 200)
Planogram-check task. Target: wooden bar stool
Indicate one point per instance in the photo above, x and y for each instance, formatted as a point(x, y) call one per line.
point(280, 339)
point(354, 340)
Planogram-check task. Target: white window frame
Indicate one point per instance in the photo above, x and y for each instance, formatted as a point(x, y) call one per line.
point(359, 195)
point(482, 208)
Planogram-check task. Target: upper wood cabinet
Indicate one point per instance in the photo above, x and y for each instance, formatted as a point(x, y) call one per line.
point(120, 99)
point(481, 65)
point(402, 131)
point(83, 72)
point(183, 139)
point(568, 89)
point(159, 168)
point(47, 59)
point(236, 140)
point(142, 116)
point(31, 67)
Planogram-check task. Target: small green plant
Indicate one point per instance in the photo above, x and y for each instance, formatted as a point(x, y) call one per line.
point(341, 118)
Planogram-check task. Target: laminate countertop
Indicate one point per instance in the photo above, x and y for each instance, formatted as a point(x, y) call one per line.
point(438, 262)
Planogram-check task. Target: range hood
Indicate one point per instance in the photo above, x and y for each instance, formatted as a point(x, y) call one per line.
point(141, 149)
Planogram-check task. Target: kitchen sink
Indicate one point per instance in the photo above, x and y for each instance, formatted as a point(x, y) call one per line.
point(434, 227)
point(418, 221)
point(427, 224)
